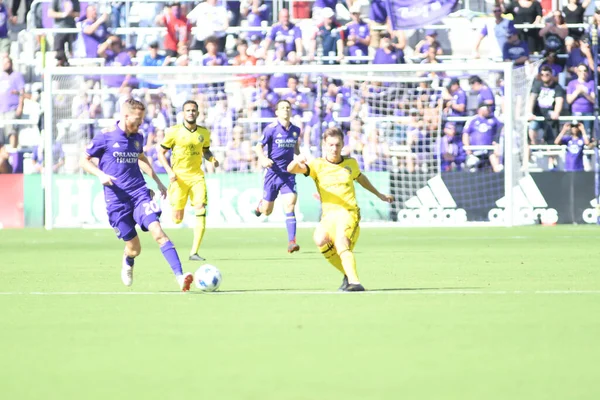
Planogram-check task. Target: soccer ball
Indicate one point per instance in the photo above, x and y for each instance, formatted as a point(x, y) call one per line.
point(208, 278)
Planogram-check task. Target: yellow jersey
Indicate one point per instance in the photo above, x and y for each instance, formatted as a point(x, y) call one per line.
point(187, 149)
point(335, 183)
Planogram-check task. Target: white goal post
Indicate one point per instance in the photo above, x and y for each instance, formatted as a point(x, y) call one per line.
point(389, 99)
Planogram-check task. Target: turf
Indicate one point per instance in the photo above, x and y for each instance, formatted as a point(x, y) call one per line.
point(451, 314)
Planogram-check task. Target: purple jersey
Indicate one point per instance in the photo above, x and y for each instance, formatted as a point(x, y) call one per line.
point(91, 42)
point(118, 155)
point(459, 97)
point(483, 131)
point(127, 201)
point(112, 59)
point(486, 94)
point(287, 34)
point(581, 104)
point(515, 51)
point(10, 89)
point(3, 21)
point(360, 30)
point(574, 153)
point(218, 59)
point(281, 143)
point(392, 57)
point(450, 146)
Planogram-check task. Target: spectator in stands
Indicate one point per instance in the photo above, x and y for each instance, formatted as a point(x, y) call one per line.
point(15, 9)
point(5, 167)
point(546, 100)
point(179, 28)
point(497, 30)
point(115, 55)
point(554, 66)
point(483, 129)
point(330, 35)
point(278, 80)
point(484, 93)
point(375, 152)
point(580, 54)
point(449, 149)
point(574, 12)
point(515, 49)
point(146, 12)
point(455, 102)
point(213, 57)
point(256, 13)
point(387, 53)
point(420, 146)
point(353, 141)
point(152, 152)
point(5, 18)
point(527, 12)
point(430, 41)
point(37, 157)
point(320, 5)
point(554, 33)
point(64, 13)
point(380, 23)
point(289, 34)
point(94, 31)
point(574, 136)
point(358, 36)
point(211, 21)
point(12, 97)
point(153, 59)
point(298, 100)
point(581, 95)
point(431, 58)
point(238, 153)
point(263, 100)
point(220, 120)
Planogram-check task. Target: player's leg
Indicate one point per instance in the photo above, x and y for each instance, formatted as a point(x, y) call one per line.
point(146, 215)
point(133, 248)
point(199, 200)
point(322, 239)
point(289, 205)
point(120, 217)
point(270, 192)
point(346, 235)
point(178, 195)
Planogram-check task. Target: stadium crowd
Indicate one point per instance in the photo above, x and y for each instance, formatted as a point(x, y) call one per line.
point(390, 126)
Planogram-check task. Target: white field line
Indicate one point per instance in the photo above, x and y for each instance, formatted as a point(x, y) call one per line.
point(422, 292)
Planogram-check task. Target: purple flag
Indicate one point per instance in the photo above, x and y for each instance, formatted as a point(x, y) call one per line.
point(411, 14)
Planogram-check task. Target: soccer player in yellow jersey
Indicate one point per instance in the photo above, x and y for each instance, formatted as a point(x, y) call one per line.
point(338, 230)
point(188, 143)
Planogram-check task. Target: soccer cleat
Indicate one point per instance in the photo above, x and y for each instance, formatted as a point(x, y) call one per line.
point(257, 212)
point(344, 284)
point(354, 287)
point(126, 273)
point(185, 281)
point(196, 257)
point(293, 246)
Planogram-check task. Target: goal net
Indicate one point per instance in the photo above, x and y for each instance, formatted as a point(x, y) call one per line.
point(395, 117)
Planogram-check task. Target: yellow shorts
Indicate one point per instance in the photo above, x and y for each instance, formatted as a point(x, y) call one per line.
point(179, 191)
point(339, 223)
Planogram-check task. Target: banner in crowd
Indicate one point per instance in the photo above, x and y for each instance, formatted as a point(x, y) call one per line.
point(11, 201)
point(79, 201)
point(412, 14)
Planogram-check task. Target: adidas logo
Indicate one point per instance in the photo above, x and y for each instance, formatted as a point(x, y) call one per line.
point(279, 135)
point(116, 145)
point(590, 215)
point(529, 202)
point(432, 204)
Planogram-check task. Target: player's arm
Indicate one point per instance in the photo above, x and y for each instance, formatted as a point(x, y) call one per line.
point(366, 183)
point(298, 165)
point(297, 148)
point(208, 156)
point(262, 159)
point(146, 167)
point(88, 166)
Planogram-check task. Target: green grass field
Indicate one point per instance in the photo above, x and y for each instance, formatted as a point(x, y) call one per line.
point(451, 314)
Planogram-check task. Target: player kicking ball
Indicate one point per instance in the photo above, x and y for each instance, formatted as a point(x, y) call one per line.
point(282, 141)
point(338, 230)
point(128, 200)
point(188, 143)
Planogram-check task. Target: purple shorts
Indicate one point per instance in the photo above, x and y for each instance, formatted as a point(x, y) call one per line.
point(275, 184)
point(124, 215)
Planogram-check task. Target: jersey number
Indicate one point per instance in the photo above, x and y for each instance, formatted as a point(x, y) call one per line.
point(151, 207)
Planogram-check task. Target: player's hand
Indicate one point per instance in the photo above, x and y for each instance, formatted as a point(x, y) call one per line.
point(106, 180)
point(163, 190)
point(388, 198)
point(266, 162)
point(151, 193)
point(215, 163)
point(172, 177)
point(300, 159)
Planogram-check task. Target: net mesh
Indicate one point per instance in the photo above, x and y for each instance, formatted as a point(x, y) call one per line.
point(394, 124)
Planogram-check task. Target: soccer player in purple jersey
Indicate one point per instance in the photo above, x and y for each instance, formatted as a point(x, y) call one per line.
point(128, 200)
point(281, 139)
